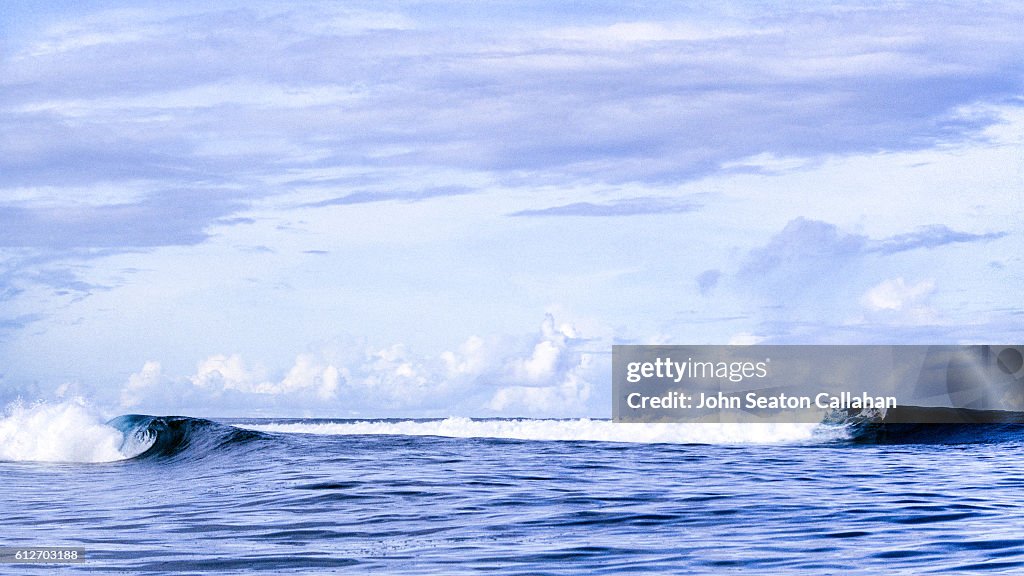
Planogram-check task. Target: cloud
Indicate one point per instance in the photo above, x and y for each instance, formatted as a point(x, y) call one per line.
point(548, 354)
point(807, 247)
point(896, 301)
point(800, 255)
point(932, 236)
point(164, 219)
point(46, 280)
point(392, 378)
point(569, 395)
point(546, 373)
point(554, 378)
point(220, 373)
point(896, 294)
point(707, 280)
point(812, 275)
point(623, 207)
point(237, 95)
point(364, 197)
point(123, 131)
point(308, 374)
point(141, 384)
point(745, 339)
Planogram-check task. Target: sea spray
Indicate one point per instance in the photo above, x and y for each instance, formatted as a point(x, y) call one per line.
point(568, 430)
point(68, 431)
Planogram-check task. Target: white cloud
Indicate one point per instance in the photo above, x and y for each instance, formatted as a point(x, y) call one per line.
point(393, 378)
point(220, 373)
point(744, 339)
point(308, 374)
point(767, 162)
point(139, 384)
point(541, 364)
point(566, 395)
point(544, 373)
point(895, 294)
point(554, 379)
point(471, 358)
point(899, 303)
point(624, 34)
point(547, 353)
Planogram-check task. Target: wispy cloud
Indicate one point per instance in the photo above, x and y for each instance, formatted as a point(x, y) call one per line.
point(164, 219)
point(651, 97)
point(931, 237)
point(624, 207)
point(365, 197)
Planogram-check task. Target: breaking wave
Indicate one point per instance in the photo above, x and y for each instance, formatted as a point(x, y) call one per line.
point(566, 430)
point(72, 431)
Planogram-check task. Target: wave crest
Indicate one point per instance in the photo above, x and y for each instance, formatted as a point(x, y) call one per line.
point(57, 432)
point(567, 430)
point(171, 436)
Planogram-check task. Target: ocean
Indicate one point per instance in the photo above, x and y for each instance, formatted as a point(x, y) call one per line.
point(178, 495)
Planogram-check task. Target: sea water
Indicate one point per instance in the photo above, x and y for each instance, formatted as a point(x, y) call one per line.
point(176, 495)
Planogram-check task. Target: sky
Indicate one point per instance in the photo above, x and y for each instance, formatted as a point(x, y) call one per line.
point(456, 208)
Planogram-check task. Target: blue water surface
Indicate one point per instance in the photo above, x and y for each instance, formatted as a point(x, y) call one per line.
point(213, 499)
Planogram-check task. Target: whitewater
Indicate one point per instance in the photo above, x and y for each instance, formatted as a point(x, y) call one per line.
point(174, 494)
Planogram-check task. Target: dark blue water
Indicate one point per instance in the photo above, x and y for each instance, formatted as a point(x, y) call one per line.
point(208, 498)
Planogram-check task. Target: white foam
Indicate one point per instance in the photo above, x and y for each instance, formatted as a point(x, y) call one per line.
point(582, 429)
point(65, 432)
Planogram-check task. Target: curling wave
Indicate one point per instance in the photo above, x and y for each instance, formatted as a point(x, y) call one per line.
point(927, 425)
point(146, 437)
point(71, 431)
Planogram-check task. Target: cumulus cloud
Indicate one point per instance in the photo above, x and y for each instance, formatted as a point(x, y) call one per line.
point(896, 300)
point(472, 358)
point(392, 377)
point(553, 378)
point(896, 294)
point(803, 247)
point(546, 373)
point(221, 373)
point(567, 396)
point(308, 374)
point(141, 384)
point(812, 278)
